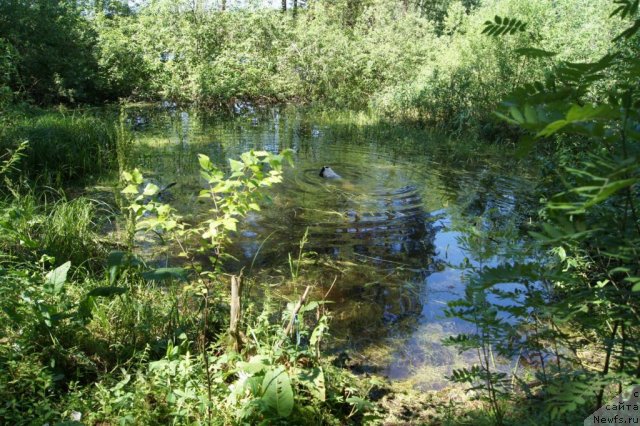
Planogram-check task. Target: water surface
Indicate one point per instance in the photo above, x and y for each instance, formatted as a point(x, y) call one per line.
point(388, 232)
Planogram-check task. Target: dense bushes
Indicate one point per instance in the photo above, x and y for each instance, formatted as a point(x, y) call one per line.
point(423, 61)
point(152, 345)
point(574, 310)
point(50, 43)
point(470, 73)
point(384, 56)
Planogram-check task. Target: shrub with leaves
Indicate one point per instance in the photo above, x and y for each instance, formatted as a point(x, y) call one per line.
point(578, 311)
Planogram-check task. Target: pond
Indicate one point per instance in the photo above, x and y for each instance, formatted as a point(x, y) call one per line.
point(394, 234)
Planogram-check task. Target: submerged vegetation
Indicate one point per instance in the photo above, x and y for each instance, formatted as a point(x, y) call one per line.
point(94, 329)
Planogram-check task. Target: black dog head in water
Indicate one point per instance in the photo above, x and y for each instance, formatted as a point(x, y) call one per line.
point(327, 172)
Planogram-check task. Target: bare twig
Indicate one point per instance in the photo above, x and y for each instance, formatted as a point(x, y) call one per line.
point(296, 309)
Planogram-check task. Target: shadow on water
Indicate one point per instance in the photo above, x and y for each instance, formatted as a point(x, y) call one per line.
point(387, 231)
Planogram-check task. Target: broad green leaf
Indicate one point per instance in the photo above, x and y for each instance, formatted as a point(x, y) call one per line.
point(311, 306)
point(318, 331)
point(211, 232)
point(205, 162)
point(530, 114)
point(506, 118)
point(313, 380)
point(629, 32)
point(121, 384)
point(236, 166)
point(150, 189)
point(57, 277)
point(277, 391)
point(590, 112)
point(229, 223)
point(247, 158)
point(532, 52)
point(607, 190)
point(516, 114)
point(287, 154)
point(130, 189)
point(122, 258)
point(552, 128)
point(136, 177)
point(360, 404)
point(256, 364)
point(115, 261)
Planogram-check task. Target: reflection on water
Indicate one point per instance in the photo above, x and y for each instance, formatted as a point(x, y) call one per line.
point(388, 230)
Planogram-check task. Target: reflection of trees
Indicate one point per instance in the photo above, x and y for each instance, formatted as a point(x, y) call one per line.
point(380, 264)
point(373, 305)
point(490, 213)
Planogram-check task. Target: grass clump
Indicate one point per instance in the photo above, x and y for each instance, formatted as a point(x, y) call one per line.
point(62, 148)
point(60, 229)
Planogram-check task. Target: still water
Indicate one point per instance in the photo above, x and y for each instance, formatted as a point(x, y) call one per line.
point(395, 232)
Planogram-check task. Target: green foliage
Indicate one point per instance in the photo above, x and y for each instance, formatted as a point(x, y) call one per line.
point(150, 338)
point(144, 213)
point(281, 383)
point(63, 327)
point(584, 288)
point(423, 60)
point(124, 70)
point(503, 26)
point(286, 378)
point(234, 196)
point(54, 45)
point(62, 230)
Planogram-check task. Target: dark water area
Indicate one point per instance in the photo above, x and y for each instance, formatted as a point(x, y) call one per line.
point(391, 232)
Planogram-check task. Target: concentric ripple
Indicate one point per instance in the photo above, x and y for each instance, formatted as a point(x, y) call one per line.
point(374, 211)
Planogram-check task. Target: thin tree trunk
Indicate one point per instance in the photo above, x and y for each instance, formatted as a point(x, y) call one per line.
point(284, 5)
point(236, 312)
point(607, 361)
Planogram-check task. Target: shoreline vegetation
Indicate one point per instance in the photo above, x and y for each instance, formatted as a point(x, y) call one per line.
point(93, 333)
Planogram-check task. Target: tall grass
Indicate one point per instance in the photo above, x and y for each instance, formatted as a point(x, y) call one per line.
point(69, 231)
point(65, 230)
point(62, 147)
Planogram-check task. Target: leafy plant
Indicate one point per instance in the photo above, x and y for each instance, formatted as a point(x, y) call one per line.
point(234, 196)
